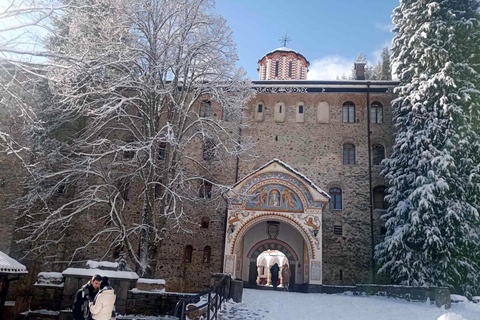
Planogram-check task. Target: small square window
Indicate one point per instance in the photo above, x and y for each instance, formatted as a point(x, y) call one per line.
point(300, 109)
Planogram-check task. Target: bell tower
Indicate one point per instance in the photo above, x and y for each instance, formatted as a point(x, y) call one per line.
point(283, 64)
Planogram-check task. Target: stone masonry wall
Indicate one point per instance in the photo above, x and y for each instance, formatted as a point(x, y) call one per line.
point(315, 149)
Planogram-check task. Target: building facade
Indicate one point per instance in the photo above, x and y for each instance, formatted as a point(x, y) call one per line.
point(307, 194)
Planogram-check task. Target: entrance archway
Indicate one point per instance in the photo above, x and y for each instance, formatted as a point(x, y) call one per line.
point(275, 208)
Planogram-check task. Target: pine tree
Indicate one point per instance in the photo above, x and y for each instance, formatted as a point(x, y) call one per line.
point(433, 225)
point(385, 67)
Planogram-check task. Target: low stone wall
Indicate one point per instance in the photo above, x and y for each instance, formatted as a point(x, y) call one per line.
point(441, 296)
point(152, 303)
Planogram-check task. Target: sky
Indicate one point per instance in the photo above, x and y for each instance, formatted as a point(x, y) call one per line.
point(330, 34)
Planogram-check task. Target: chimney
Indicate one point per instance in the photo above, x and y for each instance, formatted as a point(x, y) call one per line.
point(359, 67)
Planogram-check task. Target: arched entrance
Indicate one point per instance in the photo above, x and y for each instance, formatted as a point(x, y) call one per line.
point(275, 208)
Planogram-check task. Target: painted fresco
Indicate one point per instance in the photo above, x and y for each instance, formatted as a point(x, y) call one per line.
point(275, 198)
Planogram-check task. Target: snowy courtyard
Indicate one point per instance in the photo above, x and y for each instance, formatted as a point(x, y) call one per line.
point(279, 305)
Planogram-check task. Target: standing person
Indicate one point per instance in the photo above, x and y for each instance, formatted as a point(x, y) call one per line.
point(274, 271)
point(103, 307)
point(85, 294)
point(286, 274)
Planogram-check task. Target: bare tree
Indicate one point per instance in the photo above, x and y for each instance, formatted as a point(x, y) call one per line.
point(145, 104)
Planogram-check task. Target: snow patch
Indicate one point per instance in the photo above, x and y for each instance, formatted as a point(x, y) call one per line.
point(108, 273)
point(151, 281)
point(451, 316)
point(101, 264)
point(458, 298)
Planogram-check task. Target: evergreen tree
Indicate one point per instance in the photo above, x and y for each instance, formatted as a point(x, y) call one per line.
point(385, 67)
point(433, 224)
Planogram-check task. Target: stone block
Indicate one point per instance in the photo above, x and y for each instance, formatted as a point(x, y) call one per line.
point(442, 297)
point(236, 290)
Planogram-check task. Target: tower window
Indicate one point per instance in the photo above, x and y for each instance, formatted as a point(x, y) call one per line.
point(162, 151)
point(206, 190)
point(379, 202)
point(205, 223)
point(335, 199)
point(276, 68)
point(300, 109)
point(378, 154)
point(207, 252)
point(280, 109)
point(290, 69)
point(348, 112)
point(348, 154)
point(206, 109)
point(187, 257)
point(260, 108)
point(376, 112)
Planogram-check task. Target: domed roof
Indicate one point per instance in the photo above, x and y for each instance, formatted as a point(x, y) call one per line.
point(284, 50)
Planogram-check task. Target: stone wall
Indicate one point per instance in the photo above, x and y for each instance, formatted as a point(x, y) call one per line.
point(314, 147)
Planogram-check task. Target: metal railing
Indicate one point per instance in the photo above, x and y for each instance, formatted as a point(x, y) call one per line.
point(208, 305)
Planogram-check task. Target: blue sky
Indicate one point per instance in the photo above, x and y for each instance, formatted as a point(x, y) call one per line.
point(330, 34)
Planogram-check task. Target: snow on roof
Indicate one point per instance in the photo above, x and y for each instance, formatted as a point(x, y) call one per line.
point(101, 264)
point(151, 281)
point(108, 273)
point(313, 185)
point(10, 265)
point(284, 49)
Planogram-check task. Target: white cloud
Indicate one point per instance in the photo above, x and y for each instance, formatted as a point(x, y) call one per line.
point(384, 26)
point(329, 68)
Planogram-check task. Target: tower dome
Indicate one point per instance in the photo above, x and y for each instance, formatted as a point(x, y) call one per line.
point(283, 64)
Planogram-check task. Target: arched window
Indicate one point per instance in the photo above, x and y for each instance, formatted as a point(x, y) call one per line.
point(187, 257)
point(379, 202)
point(205, 223)
point(348, 154)
point(335, 198)
point(209, 149)
point(349, 112)
point(376, 112)
point(378, 154)
point(205, 109)
point(276, 68)
point(206, 190)
point(290, 69)
point(207, 252)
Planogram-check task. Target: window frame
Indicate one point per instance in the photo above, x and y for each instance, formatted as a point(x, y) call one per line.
point(375, 107)
point(375, 146)
point(205, 109)
point(188, 254)
point(334, 194)
point(350, 113)
point(375, 192)
point(349, 150)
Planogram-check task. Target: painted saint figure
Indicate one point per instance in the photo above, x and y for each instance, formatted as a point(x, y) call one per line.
point(274, 199)
point(289, 199)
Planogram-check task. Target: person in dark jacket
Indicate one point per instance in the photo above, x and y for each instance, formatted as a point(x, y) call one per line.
point(274, 270)
point(83, 296)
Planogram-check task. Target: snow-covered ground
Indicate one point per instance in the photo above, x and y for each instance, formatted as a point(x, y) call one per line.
point(279, 305)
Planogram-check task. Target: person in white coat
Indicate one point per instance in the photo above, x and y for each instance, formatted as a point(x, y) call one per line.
point(103, 307)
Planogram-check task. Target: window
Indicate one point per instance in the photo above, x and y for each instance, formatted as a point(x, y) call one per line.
point(61, 188)
point(378, 154)
point(280, 109)
point(260, 108)
point(376, 112)
point(206, 109)
point(207, 252)
point(300, 109)
point(290, 69)
point(383, 230)
point(349, 112)
point(187, 257)
point(205, 223)
point(348, 154)
point(338, 230)
point(158, 190)
point(206, 190)
point(209, 149)
point(162, 151)
point(335, 199)
point(379, 202)
point(341, 275)
point(276, 69)
point(124, 190)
